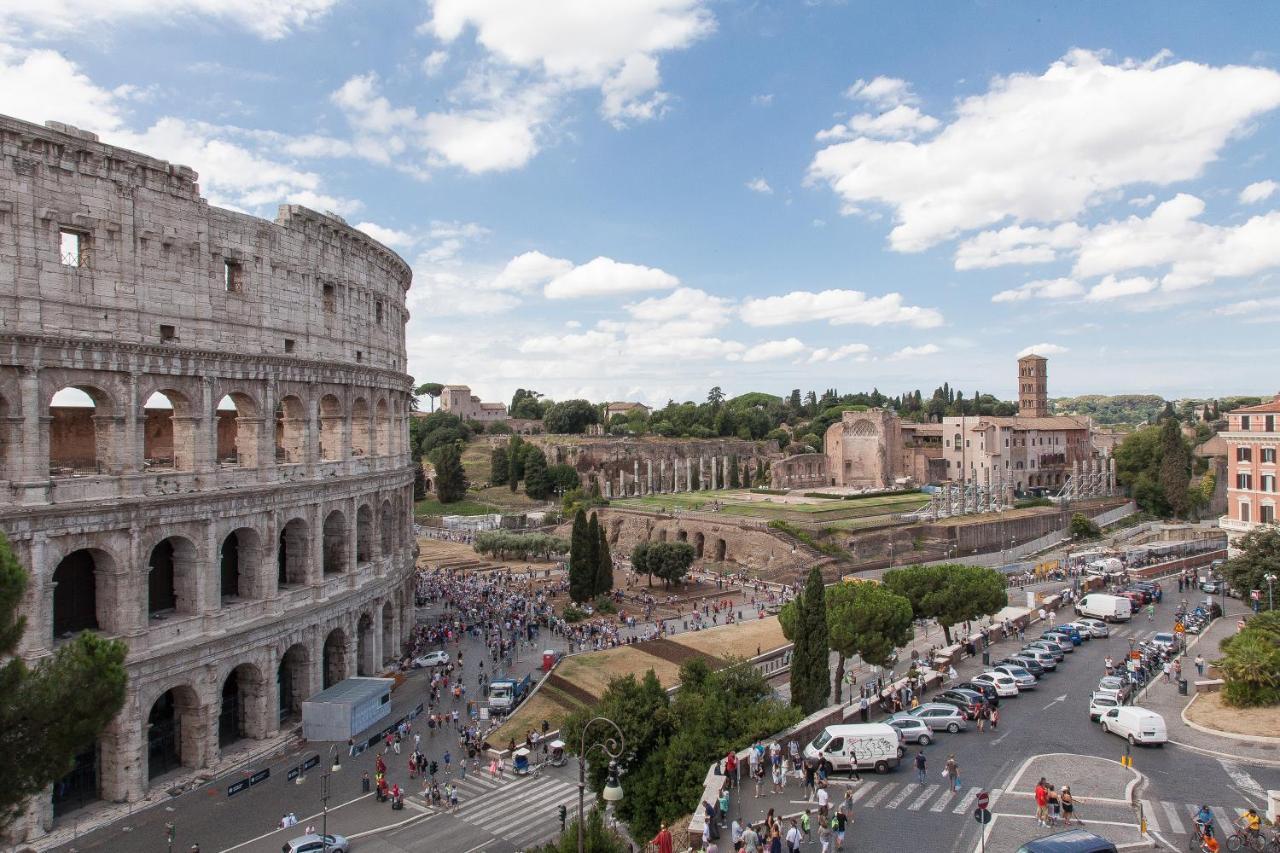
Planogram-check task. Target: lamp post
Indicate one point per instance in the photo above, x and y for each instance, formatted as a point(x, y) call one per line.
point(335, 764)
point(612, 789)
point(1270, 578)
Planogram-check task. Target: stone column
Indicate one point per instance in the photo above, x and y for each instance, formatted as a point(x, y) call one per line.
point(688, 474)
point(1111, 476)
point(122, 770)
point(724, 472)
point(607, 491)
point(714, 483)
point(125, 455)
point(662, 475)
point(635, 474)
point(622, 483)
point(649, 471)
point(33, 437)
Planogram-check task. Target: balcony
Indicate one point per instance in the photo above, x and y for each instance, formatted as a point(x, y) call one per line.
point(1234, 525)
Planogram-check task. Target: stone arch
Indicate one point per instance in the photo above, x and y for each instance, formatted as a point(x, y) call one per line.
point(699, 540)
point(364, 534)
point(81, 785)
point(172, 570)
point(337, 543)
point(334, 657)
point(292, 682)
point(382, 428)
point(662, 534)
point(366, 662)
point(387, 528)
point(361, 428)
point(239, 565)
point(237, 423)
point(82, 431)
point(389, 652)
point(293, 554)
point(168, 431)
point(173, 731)
point(291, 430)
point(332, 421)
point(721, 550)
point(682, 536)
point(863, 429)
point(81, 595)
point(242, 708)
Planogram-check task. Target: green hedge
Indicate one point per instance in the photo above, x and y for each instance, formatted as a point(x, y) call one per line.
point(884, 493)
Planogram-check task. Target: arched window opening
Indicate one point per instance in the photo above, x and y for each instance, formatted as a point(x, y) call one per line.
point(239, 556)
point(331, 423)
point(237, 431)
point(388, 633)
point(291, 431)
point(335, 657)
point(721, 549)
point(361, 430)
point(387, 532)
point(291, 557)
point(241, 694)
point(4, 440)
point(291, 682)
point(382, 427)
point(75, 595)
point(167, 433)
point(162, 597)
point(80, 786)
point(80, 430)
point(698, 541)
point(336, 543)
point(365, 663)
point(171, 732)
point(364, 534)
point(229, 568)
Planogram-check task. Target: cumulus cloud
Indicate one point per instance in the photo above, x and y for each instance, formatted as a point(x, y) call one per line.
point(837, 307)
point(1051, 288)
point(387, 236)
point(684, 304)
point(1016, 244)
point(884, 92)
point(38, 85)
point(759, 185)
point(1042, 349)
point(529, 270)
point(1042, 148)
point(273, 20)
point(915, 352)
point(606, 277)
point(1112, 288)
point(827, 354)
point(773, 350)
point(1258, 191)
point(1254, 310)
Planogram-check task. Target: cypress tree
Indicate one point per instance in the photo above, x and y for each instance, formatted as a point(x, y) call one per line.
point(801, 675)
point(451, 477)
point(604, 565)
point(1175, 467)
point(581, 572)
point(811, 648)
point(592, 566)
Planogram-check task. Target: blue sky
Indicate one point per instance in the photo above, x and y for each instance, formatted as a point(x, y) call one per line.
point(643, 198)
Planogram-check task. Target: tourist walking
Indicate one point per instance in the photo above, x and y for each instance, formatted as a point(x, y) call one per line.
point(920, 761)
point(952, 771)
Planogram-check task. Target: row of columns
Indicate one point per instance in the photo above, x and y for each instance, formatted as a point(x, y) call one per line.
point(713, 473)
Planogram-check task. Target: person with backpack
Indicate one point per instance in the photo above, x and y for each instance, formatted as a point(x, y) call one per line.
point(920, 761)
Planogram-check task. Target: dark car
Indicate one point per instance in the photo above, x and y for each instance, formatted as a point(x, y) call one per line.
point(967, 700)
point(988, 691)
point(1152, 587)
point(1071, 841)
point(1145, 596)
point(1031, 665)
point(1077, 636)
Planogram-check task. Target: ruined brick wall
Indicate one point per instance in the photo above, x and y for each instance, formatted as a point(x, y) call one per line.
point(674, 461)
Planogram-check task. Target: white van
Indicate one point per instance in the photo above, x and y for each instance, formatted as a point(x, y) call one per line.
point(1137, 725)
point(873, 746)
point(1108, 608)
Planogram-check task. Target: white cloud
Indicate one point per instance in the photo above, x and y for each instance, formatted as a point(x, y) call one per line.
point(529, 270)
point(1113, 288)
point(40, 85)
point(760, 185)
point(825, 354)
point(1258, 191)
point(838, 307)
point(1259, 310)
point(435, 62)
point(901, 122)
point(606, 277)
point(687, 304)
point(1052, 288)
point(884, 92)
point(773, 350)
point(1042, 148)
point(580, 344)
point(574, 46)
point(1016, 244)
point(1042, 349)
point(763, 100)
point(386, 236)
point(915, 352)
point(272, 20)
point(1143, 201)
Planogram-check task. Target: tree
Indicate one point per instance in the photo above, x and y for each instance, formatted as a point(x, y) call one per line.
point(1175, 466)
point(570, 417)
point(1260, 556)
point(715, 397)
point(810, 666)
point(1082, 527)
point(537, 483)
point(419, 483)
point(640, 560)
point(670, 561)
point(564, 478)
point(54, 711)
point(950, 592)
point(582, 572)
point(451, 478)
point(1250, 663)
point(430, 389)
point(515, 461)
point(525, 405)
point(604, 564)
point(499, 466)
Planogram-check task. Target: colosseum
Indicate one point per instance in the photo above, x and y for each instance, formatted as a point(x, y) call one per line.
point(203, 450)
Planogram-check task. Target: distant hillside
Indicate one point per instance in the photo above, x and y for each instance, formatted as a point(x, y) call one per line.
point(1118, 409)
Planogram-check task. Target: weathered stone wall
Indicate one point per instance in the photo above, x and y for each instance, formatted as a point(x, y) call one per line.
point(864, 449)
point(803, 471)
point(631, 466)
point(228, 549)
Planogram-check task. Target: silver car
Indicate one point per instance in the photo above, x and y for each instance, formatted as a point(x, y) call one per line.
point(314, 843)
point(1026, 681)
point(941, 717)
point(913, 729)
point(1095, 627)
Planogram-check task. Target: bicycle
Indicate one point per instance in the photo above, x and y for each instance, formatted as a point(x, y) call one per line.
point(1241, 840)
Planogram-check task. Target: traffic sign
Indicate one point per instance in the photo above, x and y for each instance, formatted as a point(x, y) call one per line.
point(982, 816)
point(983, 800)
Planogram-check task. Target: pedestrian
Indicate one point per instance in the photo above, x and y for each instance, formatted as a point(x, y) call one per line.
point(750, 839)
point(806, 826)
point(794, 837)
point(823, 799)
point(920, 766)
point(824, 837)
point(952, 771)
point(1167, 670)
point(1199, 666)
point(730, 768)
point(1042, 803)
point(364, 782)
point(863, 707)
point(724, 801)
point(663, 840)
point(1055, 806)
point(995, 718)
point(981, 718)
point(839, 824)
point(1068, 805)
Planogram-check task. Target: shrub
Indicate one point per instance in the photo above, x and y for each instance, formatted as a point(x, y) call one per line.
point(573, 614)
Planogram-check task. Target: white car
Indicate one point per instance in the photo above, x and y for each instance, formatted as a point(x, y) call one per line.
point(430, 659)
point(1025, 680)
point(1095, 627)
point(1166, 640)
point(1005, 685)
point(1100, 703)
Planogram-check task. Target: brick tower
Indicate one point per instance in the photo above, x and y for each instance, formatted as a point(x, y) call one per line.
point(1033, 386)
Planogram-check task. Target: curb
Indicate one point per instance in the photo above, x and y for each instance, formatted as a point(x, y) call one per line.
point(1265, 762)
point(1219, 732)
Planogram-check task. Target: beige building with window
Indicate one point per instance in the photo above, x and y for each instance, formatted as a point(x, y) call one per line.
point(458, 400)
point(1253, 443)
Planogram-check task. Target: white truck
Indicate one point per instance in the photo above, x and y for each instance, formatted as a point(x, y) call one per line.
point(1108, 608)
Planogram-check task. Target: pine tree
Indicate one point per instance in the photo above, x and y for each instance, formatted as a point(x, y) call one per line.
point(581, 573)
point(604, 565)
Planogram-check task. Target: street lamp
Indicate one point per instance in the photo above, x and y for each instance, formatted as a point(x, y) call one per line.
point(1271, 600)
point(612, 788)
point(335, 764)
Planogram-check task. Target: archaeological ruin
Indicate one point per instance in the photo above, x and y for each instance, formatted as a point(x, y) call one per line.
point(203, 450)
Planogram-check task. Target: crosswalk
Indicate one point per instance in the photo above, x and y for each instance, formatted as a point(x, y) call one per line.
point(1179, 818)
point(524, 811)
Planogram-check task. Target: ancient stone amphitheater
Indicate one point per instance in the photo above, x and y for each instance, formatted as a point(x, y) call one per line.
point(203, 449)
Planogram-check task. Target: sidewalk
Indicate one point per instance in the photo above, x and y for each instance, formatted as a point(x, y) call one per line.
point(1165, 700)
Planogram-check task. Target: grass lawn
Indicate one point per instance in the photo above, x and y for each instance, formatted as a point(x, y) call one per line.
point(593, 672)
point(431, 506)
point(820, 511)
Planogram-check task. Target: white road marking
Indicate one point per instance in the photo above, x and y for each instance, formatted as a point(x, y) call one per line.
point(859, 792)
point(943, 801)
point(1061, 698)
point(966, 801)
point(907, 790)
point(1149, 812)
point(1244, 782)
point(881, 794)
point(929, 791)
point(1171, 811)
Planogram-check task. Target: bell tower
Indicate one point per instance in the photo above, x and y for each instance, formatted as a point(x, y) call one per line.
point(1033, 386)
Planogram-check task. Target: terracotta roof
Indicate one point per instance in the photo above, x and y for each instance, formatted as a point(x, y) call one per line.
point(1270, 406)
point(627, 406)
point(1049, 423)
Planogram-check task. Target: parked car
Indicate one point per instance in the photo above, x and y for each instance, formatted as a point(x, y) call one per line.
point(1073, 631)
point(1096, 627)
point(430, 659)
point(941, 717)
point(914, 729)
point(1049, 647)
point(1136, 725)
point(1165, 640)
point(1025, 678)
point(1099, 704)
point(967, 700)
point(1071, 841)
point(1153, 587)
point(314, 843)
point(1065, 641)
point(1044, 657)
point(987, 691)
point(1212, 586)
point(1028, 663)
point(1113, 685)
point(1003, 683)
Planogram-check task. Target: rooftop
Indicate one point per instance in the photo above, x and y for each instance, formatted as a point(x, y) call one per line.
point(1272, 405)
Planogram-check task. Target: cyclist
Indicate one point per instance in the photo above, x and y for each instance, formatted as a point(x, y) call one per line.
point(1209, 844)
point(1204, 822)
point(1251, 823)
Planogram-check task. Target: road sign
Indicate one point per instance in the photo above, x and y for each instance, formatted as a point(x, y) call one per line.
point(983, 800)
point(982, 816)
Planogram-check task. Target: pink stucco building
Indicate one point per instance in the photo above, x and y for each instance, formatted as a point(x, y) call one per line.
point(1253, 442)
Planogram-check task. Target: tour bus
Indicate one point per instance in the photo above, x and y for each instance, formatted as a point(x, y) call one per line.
point(871, 746)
